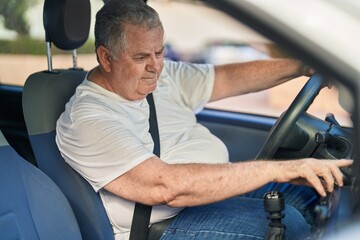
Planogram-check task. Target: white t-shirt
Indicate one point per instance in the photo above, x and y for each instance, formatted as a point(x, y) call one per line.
point(102, 135)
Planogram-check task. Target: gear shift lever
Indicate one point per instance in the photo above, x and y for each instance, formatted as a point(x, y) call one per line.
point(274, 204)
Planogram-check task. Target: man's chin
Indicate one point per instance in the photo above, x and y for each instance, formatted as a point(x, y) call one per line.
point(151, 88)
point(147, 91)
point(143, 95)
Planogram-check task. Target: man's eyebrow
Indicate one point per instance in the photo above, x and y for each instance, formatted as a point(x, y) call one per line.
point(161, 50)
point(142, 54)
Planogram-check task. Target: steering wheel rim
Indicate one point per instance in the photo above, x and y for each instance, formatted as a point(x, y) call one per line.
point(285, 122)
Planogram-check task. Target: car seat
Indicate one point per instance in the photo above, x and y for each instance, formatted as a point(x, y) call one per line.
point(31, 205)
point(45, 94)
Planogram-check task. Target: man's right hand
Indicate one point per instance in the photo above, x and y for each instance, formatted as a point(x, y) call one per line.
point(320, 174)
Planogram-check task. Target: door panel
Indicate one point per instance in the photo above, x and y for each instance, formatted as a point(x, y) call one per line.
point(243, 134)
point(12, 122)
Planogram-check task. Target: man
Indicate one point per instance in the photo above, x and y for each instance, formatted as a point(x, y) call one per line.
point(103, 134)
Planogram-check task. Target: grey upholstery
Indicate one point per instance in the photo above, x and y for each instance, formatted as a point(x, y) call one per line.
point(3, 141)
point(45, 95)
point(49, 93)
point(67, 24)
point(44, 98)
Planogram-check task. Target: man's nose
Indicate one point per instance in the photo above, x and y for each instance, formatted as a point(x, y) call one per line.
point(154, 64)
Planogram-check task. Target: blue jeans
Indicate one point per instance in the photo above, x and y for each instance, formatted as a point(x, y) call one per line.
point(244, 217)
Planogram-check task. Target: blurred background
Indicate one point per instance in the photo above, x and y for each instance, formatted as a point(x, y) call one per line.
point(194, 32)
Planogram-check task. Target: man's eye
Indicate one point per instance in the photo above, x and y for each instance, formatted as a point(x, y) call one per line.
point(159, 54)
point(140, 58)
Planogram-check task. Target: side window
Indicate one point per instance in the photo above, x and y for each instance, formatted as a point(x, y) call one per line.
point(193, 32)
point(22, 42)
point(197, 33)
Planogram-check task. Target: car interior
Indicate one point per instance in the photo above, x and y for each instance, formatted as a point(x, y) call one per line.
point(47, 199)
point(44, 97)
point(32, 206)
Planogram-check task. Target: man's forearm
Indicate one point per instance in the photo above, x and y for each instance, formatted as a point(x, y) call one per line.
point(154, 182)
point(240, 78)
point(198, 184)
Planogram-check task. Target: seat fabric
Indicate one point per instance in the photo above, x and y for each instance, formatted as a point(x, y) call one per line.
point(45, 95)
point(31, 204)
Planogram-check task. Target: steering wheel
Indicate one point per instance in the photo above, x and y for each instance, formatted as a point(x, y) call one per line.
point(287, 120)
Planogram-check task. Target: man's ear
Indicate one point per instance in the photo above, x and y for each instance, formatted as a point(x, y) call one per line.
point(104, 58)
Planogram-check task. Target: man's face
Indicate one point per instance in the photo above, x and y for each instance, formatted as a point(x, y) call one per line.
point(135, 72)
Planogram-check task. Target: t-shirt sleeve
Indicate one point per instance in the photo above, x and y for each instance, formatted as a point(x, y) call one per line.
point(193, 82)
point(100, 147)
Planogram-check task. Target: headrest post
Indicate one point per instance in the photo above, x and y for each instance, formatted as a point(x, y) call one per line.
point(49, 57)
point(74, 57)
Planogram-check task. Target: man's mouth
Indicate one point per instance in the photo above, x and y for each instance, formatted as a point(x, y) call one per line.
point(150, 80)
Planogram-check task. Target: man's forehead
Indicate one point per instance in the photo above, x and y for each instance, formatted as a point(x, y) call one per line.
point(134, 28)
point(143, 40)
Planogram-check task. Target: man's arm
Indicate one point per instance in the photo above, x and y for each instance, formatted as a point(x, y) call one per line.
point(154, 182)
point(240, 78)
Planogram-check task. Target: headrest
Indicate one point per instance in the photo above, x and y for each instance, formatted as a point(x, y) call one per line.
point(67, 22)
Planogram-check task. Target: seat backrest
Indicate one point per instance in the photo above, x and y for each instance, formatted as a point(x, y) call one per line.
point(31, 204)
point(45, 95)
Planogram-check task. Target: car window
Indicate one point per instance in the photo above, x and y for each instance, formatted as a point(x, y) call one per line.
point(22, 44)
point(193, 32)
point(197, 33)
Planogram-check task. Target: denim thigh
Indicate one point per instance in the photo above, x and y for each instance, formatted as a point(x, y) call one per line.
point(303, 198)
point(242, 217)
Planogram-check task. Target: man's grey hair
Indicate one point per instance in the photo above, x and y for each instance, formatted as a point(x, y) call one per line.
point(115, 15)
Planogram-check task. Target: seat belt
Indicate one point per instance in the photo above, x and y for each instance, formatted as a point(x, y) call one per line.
point(141, 219)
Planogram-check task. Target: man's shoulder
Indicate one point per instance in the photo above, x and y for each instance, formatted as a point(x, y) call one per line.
point(172, 69)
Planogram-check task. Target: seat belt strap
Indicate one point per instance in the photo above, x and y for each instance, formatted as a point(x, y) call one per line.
point(154, 129)
point(141, 219)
